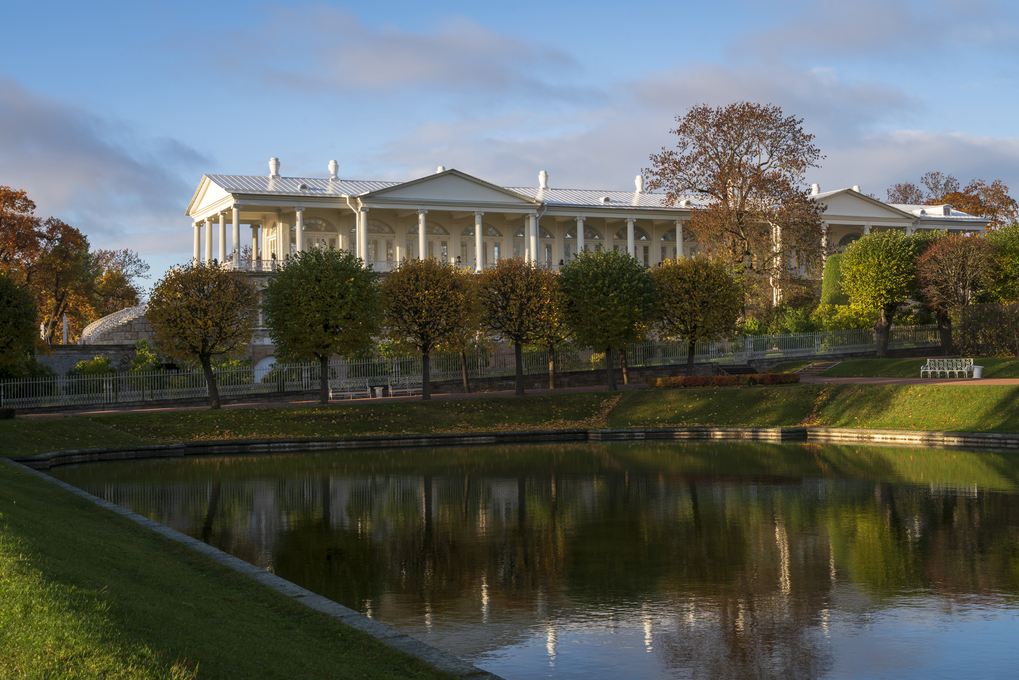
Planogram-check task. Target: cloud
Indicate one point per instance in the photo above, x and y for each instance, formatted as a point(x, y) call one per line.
point(93, 172)
point(324, 50)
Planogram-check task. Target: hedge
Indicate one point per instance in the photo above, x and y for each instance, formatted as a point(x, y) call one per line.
point(725, 380)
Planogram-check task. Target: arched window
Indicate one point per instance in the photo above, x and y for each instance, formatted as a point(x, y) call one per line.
point(638, 234)
point(486, 230)
point(376, 227)
point(542, 233)
point(847, 239)
point(430, 228)
point(589, 234)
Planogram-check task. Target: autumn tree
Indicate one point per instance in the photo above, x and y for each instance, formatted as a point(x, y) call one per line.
point(553, 331)
point(19, 233)
point(321, 303)
point(1005, 287)
point(511, 293)
point(608, 300)
point(990, 201)
point(467, 337)
point(952, 273)
point(64, 277)
point(698, 300)
point(17, 325)
point(748, 161)
point(199, 311)
point(878, 273)
point(425, 301)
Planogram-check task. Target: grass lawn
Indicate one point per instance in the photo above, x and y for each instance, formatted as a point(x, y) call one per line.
point(89, 594)
point(789, 367)
point(910, 368)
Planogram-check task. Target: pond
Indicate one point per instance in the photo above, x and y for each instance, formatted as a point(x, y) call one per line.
point(630, 560)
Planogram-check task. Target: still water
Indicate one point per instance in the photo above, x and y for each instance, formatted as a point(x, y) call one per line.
point(631, 560)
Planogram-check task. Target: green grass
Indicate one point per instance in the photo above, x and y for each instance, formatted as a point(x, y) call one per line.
point(89, 594)
point(22, 436)
point(910, 368)
point(966, 407)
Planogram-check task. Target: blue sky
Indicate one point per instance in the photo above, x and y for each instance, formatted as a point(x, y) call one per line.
point(110, 112)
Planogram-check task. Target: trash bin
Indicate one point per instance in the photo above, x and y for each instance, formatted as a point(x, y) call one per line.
point(377, 391)
point(978, 372)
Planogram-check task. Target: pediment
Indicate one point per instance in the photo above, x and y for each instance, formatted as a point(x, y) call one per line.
point(207, 194)
point(451, 186)
point(848, 203)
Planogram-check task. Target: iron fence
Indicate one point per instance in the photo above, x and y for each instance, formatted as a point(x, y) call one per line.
point(141, 386)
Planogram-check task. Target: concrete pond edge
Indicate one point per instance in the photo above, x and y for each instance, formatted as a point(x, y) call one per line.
point(392, 637)
point(815, 435)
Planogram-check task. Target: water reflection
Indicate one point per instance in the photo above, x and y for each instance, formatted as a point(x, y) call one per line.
point(690, 560)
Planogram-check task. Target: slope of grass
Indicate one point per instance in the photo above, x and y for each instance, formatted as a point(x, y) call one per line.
point(967, 407)
point(24, 437)
point(89, 594)
point(365, 418)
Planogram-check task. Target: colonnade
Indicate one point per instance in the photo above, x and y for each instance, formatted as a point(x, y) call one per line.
point(531, 235)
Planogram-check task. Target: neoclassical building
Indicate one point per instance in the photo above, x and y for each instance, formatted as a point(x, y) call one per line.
point(456, 217)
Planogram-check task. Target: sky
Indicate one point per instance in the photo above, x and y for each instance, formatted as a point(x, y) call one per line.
point(111, 112)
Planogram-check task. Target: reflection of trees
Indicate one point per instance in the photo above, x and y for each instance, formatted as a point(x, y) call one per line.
point(740, 570)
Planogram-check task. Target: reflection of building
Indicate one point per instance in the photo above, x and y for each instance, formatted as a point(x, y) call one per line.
point(451, 215)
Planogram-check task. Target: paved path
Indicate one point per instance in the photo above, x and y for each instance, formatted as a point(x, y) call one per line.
point(911, 381)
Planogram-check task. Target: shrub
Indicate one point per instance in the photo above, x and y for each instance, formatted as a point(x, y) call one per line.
point(988, 330)
point(6, 413)
point(843, 317)
point(831, 286)
point(725, 380)
point(94, 367)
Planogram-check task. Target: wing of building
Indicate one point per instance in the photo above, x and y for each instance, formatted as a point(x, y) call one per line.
point(456, 217)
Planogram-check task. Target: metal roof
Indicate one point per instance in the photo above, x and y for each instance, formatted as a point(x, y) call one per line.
point(292, 186)
point(927, 212)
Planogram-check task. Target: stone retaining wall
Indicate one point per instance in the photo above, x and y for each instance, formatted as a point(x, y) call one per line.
point(947, 440)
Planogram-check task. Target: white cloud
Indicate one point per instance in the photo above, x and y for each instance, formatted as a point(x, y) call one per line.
point(94, 173)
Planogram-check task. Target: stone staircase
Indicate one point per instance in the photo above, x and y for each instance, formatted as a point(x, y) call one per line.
point(817, 367)
point(736, 369)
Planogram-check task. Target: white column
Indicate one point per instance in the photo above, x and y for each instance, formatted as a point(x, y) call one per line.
point(299, 228)
point(198, 243)
point(580, 234)
point(222, 238)
point(254, 241)
point(866, 228)
point(630, 247)
point(236, 216)
point(532, 231)
point(362, 234)
point(478, 241)
point(824, 240)
point(208, 241)
point(422, 236)
point(679, 239)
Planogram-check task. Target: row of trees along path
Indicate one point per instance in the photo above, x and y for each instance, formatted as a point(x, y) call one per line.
point(326, 302)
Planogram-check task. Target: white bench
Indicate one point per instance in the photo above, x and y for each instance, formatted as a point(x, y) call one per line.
point(404, 384)
point(349, 388)
point(950, 368)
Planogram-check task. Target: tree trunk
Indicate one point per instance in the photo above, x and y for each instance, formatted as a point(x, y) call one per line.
point(426, 387)
point(626, 372)
point(210, 380)
point(945, 331)
point(323, 379)
point(463, 371)
point(881, 329)
point(611, 369)
point(518, 355)
point(691, 349)
point(551, 368)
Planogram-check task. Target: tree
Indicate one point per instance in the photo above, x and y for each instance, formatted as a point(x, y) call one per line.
point(19, 232)
point(17, 325)
point(321, 303)
point(749, 162)
point(878, 273)
point(553, 331)
point(1005, 287)
point(990, 201)
point(951, 273)
point(425, 301)
point(512, 295)
point(467, 337)
point(609, 299)
point(64, 276)
point(698, 300)
point(198, 311)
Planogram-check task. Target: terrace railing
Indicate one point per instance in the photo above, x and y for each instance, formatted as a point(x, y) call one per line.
point(140, 386)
